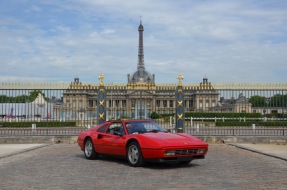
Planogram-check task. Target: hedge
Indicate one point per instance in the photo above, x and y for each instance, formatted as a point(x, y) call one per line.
point(220, 115)
point(155, 115)
point(249, 123)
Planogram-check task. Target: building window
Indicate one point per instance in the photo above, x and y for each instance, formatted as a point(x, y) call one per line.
point(274, 111)
point(124, 103)
point(165, 103)
point(90, 103)
point(171, 103)
point(117, 102)
point(158, 103)
point(190, 103)
point(81, 104)
point(207, 104)
point(133, 103)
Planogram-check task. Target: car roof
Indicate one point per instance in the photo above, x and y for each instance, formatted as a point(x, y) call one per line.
point(130, 120)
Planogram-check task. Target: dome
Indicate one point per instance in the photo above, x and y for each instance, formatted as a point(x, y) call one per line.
point(145, 77)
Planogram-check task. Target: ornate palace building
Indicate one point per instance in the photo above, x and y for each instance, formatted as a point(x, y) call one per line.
point(139, 97)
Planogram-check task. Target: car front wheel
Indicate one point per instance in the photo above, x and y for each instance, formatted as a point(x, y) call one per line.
point(134, 155)
point(89, 151)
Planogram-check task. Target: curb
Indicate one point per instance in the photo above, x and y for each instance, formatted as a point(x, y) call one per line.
point(24, 150)
point(259, 152)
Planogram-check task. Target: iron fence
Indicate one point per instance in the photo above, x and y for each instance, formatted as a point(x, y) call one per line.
point(209, 109)
point(196, 131)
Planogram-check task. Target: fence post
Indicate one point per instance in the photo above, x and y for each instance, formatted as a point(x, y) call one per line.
point(180, 117)
point(101, 101)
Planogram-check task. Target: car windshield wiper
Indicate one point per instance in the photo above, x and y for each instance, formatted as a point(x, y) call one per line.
point(154, 131)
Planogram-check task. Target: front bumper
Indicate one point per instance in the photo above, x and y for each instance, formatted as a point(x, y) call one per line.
point(175, 159)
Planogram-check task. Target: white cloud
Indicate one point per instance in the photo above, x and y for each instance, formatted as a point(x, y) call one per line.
point(228, 41)
point(34, 8)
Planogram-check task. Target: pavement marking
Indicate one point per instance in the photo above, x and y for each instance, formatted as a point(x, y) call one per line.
point(276, 151)
point(13, 149)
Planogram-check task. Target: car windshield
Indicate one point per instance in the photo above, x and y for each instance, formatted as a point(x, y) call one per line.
point(143, 127)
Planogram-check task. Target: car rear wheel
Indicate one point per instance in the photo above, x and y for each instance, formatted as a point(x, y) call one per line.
point(134, 155)
point(89, 151)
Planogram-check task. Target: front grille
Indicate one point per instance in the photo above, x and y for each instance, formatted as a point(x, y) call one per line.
point(185, 152)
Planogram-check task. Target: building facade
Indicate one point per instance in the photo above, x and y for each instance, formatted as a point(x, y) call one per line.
point(139, 97)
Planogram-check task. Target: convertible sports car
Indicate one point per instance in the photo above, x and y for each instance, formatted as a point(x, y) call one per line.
point(140, 141)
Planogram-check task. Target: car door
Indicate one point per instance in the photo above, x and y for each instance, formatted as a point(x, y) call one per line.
point(113, 140)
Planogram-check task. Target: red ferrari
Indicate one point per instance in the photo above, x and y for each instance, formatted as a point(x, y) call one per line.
point(140, 141)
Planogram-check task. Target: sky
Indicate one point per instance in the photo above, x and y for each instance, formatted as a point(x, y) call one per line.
point(226, 41)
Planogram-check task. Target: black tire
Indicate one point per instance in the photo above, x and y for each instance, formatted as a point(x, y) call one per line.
point(89, 150)
point(134, 154)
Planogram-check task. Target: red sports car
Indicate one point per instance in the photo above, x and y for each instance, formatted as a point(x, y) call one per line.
point(140, 141)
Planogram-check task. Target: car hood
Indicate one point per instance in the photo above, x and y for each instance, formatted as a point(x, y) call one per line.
point(172, 139)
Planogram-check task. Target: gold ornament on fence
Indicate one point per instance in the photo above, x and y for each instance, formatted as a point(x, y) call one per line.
point(101, 78)
point(102, 115)
point(180, 78)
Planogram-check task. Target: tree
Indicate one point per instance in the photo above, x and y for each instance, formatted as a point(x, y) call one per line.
point(22, 98)
point(258, 101)
point(34, 94)
point(278, 100)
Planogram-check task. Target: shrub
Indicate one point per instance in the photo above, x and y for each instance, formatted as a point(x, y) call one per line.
point(154, 115)
point(220, 115)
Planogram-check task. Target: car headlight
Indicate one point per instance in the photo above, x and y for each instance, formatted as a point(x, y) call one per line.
point(170, 153)
point(200, 151)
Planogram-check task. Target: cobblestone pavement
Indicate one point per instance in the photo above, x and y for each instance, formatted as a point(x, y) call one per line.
point(63, 166)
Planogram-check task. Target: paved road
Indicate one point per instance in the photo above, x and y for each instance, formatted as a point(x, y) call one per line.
point(63, 166)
